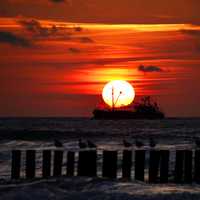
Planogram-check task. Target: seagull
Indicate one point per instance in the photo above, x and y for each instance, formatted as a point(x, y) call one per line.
point(139, 143)
point(57, 143)
point(152, 143)
point(82, 144)
point(127, 144)
point(91, 144)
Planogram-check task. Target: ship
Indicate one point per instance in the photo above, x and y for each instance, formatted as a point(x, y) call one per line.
point(145, 109)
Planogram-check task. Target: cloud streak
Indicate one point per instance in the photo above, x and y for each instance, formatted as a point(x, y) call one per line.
point(138, 12)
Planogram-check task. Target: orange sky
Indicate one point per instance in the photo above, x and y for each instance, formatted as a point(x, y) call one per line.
point(51, 67)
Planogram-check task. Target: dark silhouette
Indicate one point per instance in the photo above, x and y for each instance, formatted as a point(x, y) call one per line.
point(152, 143)
point(158, 162)
point(82, 144)
point(197, 142)
point(57, 143)
point(139, 143)
point(91, 144)
point(146, 109)
point(127, 144)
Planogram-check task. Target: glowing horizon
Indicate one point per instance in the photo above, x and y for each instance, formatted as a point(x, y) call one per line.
point(54, 63)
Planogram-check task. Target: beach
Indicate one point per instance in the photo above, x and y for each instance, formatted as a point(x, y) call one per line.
point(96, 189)
point(39, 134)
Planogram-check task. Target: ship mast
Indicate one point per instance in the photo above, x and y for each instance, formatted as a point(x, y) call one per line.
point(118, 97)
point(113, 103)
point(113, 99)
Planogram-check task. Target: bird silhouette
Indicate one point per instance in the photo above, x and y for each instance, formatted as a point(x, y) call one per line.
point(127, 144)
point(57, 143)
point(91, 144)
point(152, 143)
point(82, 144)
point(139, 143)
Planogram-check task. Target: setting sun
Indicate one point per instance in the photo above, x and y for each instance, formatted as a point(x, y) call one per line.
point(118, 93)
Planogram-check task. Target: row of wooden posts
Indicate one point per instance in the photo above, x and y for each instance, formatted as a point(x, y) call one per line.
point(186, 169)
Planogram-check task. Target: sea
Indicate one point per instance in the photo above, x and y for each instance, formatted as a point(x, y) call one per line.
point(40, 134)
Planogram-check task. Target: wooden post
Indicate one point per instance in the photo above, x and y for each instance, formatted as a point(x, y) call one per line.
point(110, 164)
point(139, 165)
point(197, 166)
point(164, 166)
point(16, 164)
point(30, 164)
point(87, 163)
point(126, 164)
point(154, 166)
point(188, 166)
point(46, 164)
point(70, 163)
point(58, 159)
point(179, 166)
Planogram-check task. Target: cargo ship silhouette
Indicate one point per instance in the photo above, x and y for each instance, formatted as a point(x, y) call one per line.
point(145, 109)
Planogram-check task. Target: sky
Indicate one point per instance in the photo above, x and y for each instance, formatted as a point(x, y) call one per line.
point(57, 55)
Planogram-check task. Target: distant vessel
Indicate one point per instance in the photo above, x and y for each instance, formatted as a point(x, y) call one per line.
point(143, 110)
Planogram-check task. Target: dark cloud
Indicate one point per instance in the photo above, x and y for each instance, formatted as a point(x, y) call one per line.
point(10, 38)
point(86, 40)
point(78, 29)
point(74, 50)
point(149, 68)
point(195, 36)
point(35, 27)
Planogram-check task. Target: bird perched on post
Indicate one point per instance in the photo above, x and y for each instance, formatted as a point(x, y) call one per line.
point(139, 144)
point(82, 144)
point(57, 143)
point(127, 144)
point(91, 144)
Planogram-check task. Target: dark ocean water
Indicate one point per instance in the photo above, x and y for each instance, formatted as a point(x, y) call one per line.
point(39, 133)
point(70, 129)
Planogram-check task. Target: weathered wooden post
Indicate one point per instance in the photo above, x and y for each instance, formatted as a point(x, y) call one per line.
point(164, 166)
point(139, 165)
point(197, 166)
point(70, 163)
point(110, 164)
point(16, 164)
point(46, 163)
point(179, 166)
point(30, 164)
point(58, 159)
point(154, 166)
point(87, 163)
point(126, 164)
point(188, 166)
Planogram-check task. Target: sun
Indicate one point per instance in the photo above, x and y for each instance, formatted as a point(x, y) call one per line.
point(118, 93)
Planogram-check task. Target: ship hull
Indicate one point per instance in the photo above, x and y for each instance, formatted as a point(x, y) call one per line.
point(123, 114)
